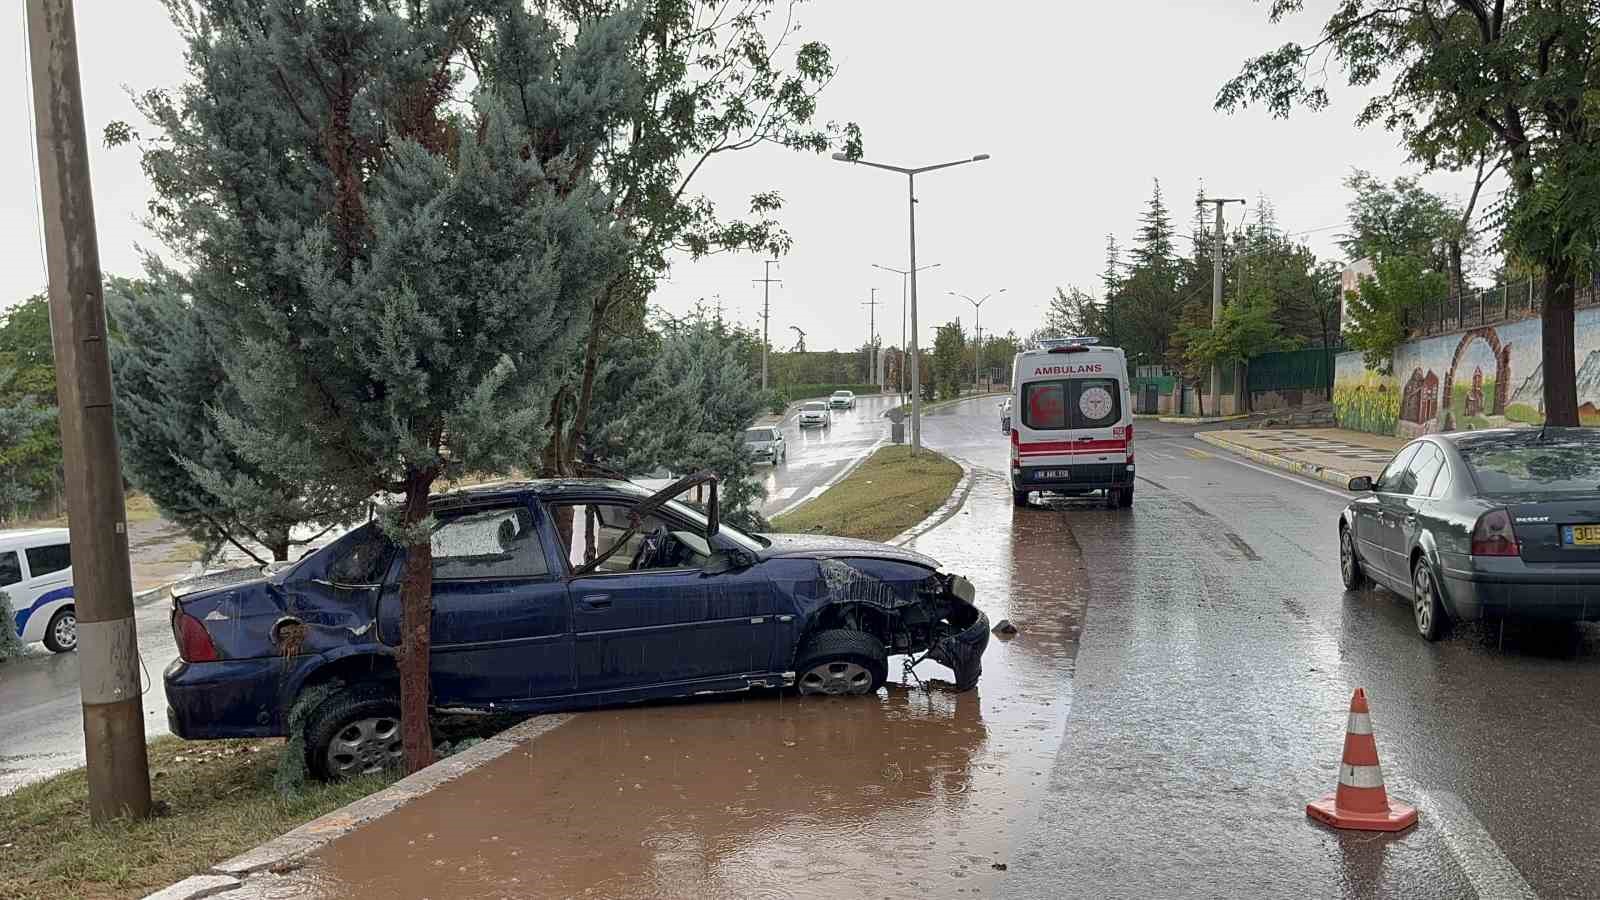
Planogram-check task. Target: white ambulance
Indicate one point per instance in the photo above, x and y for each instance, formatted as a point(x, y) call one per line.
point(1072, 421)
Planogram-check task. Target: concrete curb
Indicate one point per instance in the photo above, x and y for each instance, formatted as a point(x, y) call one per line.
point(952, 505)
point(1310, 470)
point(285, 851)
point(1204, 420)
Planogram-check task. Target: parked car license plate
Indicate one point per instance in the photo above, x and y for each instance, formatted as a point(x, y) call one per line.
point(1054, 475)
point(1581, 535)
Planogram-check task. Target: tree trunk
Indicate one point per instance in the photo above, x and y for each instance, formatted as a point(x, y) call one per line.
point(278, 545)
point(591, 364)
point(416, 621)
point(1458, 282)
point(1560, 356)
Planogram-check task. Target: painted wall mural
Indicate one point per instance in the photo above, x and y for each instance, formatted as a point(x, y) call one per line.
point(1487, 377)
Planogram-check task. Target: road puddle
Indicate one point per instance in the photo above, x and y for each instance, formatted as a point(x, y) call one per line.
point(919, 791)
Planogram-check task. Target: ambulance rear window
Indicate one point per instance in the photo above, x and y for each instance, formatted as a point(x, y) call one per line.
point(1071, 403)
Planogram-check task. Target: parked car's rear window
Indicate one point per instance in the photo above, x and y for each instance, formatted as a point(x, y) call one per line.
point(48, 559)
point(1556, 466)
point(363, 554)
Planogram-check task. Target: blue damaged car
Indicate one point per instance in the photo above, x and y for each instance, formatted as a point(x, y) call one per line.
point(557, 594)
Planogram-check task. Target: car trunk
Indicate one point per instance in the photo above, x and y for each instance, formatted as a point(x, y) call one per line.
point(1550, 527)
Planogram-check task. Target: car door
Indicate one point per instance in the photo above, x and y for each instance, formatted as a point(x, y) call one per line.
point(502, 621)
point(638, 624)
point(1414, 516)
point(10, 578)
point(1394, 513)
point(1371, 531)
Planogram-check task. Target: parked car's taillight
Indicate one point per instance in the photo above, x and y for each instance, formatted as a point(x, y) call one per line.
point(1130, 442)
point(194, 642)
point(1494, 536)
point(1016, 448)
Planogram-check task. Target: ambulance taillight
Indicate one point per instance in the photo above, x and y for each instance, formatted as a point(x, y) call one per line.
point(1016, 447)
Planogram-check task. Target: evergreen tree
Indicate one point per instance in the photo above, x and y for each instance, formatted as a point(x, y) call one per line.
point(949, 350)
point(1154, 249)
point(387, 220)
point(30, 443)
point(168, 373)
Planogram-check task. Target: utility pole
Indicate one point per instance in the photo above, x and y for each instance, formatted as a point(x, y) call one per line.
point(766, 281)
point(108, 645)
point(1216, 288)
point(903, 273)
point(872, 336)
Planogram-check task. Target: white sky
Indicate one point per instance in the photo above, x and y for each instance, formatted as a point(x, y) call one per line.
point(1079, 104)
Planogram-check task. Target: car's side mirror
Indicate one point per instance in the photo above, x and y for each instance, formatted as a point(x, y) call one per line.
point(726, 561)
point(1361, 483)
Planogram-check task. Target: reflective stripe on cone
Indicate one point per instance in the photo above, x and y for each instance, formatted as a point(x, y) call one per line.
point(1360, 800)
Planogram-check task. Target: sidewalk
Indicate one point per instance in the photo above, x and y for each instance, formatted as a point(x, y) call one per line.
point(1334, 455)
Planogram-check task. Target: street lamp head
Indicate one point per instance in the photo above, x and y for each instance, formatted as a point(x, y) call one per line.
point(1001, 291)
point(980, 157)
point(841, 157)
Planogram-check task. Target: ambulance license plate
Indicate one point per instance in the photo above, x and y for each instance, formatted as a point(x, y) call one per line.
point(1581, 535)
point(1055, 475)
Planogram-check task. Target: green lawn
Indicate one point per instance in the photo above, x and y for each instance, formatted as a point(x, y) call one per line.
point(884, 496)
point(217, 800)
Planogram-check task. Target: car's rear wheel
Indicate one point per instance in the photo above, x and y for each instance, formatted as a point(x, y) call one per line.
point(354, 732)
point(1355, 577)
point(1019, 498)
point(61, 635)
point(1425, 605)
point(1124, 497)
point(841, 662)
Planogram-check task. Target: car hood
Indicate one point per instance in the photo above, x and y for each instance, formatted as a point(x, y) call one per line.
point(823, 546)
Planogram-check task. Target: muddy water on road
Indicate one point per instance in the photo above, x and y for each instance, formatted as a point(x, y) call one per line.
point(917, 792)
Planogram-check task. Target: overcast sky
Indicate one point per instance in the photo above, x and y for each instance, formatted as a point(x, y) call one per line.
point(1079, 104)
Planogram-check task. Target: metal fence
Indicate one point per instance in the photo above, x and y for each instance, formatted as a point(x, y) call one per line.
point(1309, 369)
point(1490, 306)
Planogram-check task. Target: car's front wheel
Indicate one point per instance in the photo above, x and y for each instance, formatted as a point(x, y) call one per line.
point(61, 635)
point(1425, 605)
point(839, 662)
point(1355, 578)
point(354, 732)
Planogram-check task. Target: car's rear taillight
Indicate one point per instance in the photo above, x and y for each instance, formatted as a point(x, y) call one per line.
point(1016, 447)
point(1494, 536)
point(1130, 443)
point(194, 642)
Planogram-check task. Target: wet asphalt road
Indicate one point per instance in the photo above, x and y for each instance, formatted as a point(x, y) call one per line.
point(1175, 696)
point(819, 456)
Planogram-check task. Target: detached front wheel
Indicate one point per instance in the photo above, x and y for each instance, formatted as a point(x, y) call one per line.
point(841, 662)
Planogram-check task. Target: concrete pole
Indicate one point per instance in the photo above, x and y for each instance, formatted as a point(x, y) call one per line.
point(108, 647)
point(916, 363)
point(766, 281)
point(872, 338)
point(1216, 294)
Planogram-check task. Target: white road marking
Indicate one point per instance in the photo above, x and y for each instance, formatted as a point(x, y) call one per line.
point(786, 493)
point(1343, 495)
point(1491, 873)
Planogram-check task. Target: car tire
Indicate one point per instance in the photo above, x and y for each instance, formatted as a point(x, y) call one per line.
point(1350, 568)
point(1019, 498)
point(1426, 609)
point(1125, 497)
point(61, 635)
point(365, 720)
point(841, 662)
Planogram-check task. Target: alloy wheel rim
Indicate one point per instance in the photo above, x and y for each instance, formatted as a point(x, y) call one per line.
point(836, 678)
point(1423, 604)
point(365, 746)
point(66, 630)
point(1347, 556)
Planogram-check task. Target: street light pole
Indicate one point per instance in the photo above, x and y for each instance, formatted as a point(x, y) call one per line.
point(766, 281)
point(1216, 294)
point(903, 273)
point(911, 194)
point(977, 359)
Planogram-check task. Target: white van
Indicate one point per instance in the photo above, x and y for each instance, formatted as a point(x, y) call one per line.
point(1072, 421)
point(36, 575)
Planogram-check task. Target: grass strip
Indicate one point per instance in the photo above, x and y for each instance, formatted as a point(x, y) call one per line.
point(888, 493)
point(215, 800)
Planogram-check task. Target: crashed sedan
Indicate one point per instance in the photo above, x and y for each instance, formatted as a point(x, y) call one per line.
point(556, 594)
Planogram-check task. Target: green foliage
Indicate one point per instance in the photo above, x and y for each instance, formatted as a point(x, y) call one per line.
point(1462, 83)
point(11, 645)
point(1246, 327)
point(1379, 307)
point(291, 775)
point(949, 351)
point(30, 444)
point(1073, 312)
point(168, 368)
point(1401, 219)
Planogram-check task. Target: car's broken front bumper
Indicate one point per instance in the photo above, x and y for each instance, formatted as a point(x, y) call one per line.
point(962, 652)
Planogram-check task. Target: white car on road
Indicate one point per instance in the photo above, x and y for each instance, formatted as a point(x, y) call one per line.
point(842, 400)
point(814, 413)
point(36, 575)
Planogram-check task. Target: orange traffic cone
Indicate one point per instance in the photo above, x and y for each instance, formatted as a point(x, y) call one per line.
point(1360, 801)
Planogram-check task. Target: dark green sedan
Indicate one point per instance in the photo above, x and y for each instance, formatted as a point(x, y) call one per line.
point(1495, 524)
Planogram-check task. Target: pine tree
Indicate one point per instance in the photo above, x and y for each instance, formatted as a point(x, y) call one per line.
point(1154, 248)
point(386, 225)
